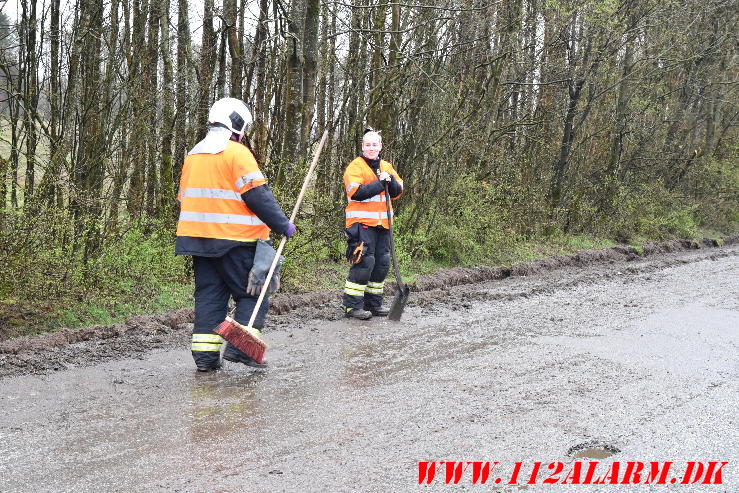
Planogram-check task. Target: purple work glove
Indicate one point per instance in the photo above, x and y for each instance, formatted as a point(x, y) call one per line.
point(290, 230)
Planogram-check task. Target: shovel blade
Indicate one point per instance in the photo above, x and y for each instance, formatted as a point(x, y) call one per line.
point(399, 300)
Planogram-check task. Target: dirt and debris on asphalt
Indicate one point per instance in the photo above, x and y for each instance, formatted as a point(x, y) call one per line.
point(628, 354)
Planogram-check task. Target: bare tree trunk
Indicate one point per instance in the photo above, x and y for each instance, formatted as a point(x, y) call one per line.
point(231, 19)
point(207, 66)
point(166, 193)
point(574, 91)
point(50, 190)
point(294, 83)
point(183, 71)
point(332, 83)
point(152, 95)
point(137, 83)
point(621, 115)
point(221, 78)
point(552, 65)
point(120, 173)
point(3, 184)
point(377, 80)
point(258, 67)
point(14, 109)
point(714, 104)
point(109, 99)
point(310, 68)
point(354, 86)
point(389, 117)
point(274, 92)
point(88, 172)
point(322, 90)
point(29, 21)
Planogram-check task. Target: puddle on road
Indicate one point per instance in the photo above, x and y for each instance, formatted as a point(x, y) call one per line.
point(594, 453)
point(592, 450)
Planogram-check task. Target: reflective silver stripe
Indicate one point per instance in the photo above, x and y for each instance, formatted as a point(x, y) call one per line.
point(354, 289)
point(352, 186)
point(211, 193)
point(215, 338)
point(202, 346)
point(212, 217)
point(376, 198)
point(368, 215)
point(375, 287)
point(248, 178)
point(354, 285)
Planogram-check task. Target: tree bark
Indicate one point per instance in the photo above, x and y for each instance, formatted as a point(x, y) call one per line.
point(181, 92)
point(231, 17)
point(166, 193)
point(29, 21)
point(294, 83)
point(377, 78)
point(151, 93)
point(258, 67)
point(137, 83)
point(207, 66)
point(221, 78)
point(310, 68)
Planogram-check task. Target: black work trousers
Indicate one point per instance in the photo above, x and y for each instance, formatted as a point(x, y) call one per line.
point(366, 281)
point(217, 279)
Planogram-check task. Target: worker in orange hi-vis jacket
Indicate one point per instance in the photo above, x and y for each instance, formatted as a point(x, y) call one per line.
point(226, 207)
point(367, 228)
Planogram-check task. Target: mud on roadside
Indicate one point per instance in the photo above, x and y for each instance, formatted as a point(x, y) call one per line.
point(67, 348)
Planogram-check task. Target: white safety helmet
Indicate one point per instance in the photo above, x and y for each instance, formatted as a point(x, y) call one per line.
point(232, 113)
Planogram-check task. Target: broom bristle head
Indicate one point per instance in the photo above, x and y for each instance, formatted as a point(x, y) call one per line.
point(245, 340)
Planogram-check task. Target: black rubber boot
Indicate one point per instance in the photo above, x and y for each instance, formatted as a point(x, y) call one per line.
point(208, 368)
point(378, 311)
point(207, 361)
point(235, 356)
point(358, 313)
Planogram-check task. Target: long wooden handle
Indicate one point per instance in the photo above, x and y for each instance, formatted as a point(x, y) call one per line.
point(390, 221)
point(272, 267)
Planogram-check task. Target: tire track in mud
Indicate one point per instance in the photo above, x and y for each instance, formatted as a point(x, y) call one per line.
point(68, 348)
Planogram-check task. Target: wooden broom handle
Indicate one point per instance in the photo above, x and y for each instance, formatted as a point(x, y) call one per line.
point(296, 207)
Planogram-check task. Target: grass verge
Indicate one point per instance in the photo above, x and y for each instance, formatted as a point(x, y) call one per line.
point(21, 317)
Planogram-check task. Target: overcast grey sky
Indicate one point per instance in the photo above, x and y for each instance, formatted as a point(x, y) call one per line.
point(9, 8)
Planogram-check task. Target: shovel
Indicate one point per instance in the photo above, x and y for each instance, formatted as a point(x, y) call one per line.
point(401, 291)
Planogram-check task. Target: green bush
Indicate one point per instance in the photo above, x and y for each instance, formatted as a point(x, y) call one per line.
point(714, 186)
point(463, 226)
point(649, 211)
point(88, 276)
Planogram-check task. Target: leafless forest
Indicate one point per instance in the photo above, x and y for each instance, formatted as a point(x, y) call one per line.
point(507, 119)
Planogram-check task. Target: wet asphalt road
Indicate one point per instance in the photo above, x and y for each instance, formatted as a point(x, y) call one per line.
point(641, 356)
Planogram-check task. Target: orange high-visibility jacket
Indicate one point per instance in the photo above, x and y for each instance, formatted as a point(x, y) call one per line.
point(372, 211)
point(210, 195)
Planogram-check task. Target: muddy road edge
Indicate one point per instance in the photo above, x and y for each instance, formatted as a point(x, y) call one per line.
point(138, 335)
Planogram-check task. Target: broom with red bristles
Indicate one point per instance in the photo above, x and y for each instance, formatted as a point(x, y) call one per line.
point(246, 338)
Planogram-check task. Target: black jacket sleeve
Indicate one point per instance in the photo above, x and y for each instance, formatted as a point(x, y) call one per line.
point(262, 203)
point(369, 190)
point(394, 187)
